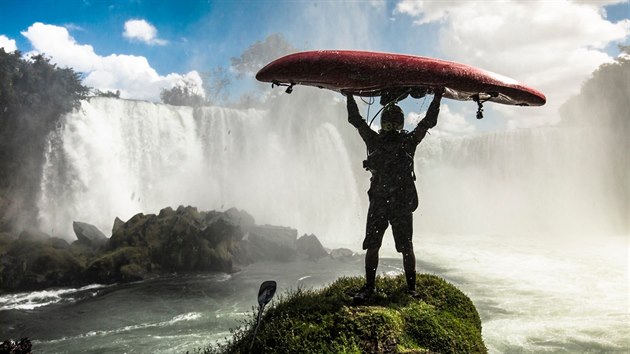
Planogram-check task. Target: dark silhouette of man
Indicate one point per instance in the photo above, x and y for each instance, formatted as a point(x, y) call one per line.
point(392, 194)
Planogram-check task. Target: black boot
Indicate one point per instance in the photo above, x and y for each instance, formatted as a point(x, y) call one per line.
point(364, 294)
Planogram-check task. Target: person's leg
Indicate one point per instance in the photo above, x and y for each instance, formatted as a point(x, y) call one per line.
point(371, 263)
point(375, 228)
point(409, 264)
point(402, 228)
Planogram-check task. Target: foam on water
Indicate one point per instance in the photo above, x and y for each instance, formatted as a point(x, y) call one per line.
point(539, 299)
point(191, 316)
point(35, 299)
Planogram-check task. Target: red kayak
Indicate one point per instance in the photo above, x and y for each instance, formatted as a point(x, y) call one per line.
point(369, 74)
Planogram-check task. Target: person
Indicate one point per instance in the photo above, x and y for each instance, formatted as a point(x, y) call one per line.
point(392, 194)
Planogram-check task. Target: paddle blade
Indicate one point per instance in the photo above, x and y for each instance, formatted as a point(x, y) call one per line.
point(266, 292)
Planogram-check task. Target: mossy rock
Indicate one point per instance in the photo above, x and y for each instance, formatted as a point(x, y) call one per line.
point(440, 320)
point(132, 272)
point(32, 265)
point(110, 267)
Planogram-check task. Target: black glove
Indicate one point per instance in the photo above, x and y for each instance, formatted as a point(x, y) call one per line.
point(354, 117)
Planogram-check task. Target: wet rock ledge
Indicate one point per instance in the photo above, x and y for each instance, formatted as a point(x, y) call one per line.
point(148, 245)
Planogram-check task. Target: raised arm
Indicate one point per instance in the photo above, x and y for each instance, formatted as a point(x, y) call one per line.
point(354, 117)
point(430, 119)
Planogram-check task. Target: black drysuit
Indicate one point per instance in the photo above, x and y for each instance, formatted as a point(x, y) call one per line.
point(392, 194)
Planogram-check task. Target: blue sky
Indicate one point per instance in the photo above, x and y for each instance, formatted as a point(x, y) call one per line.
point(551, 45)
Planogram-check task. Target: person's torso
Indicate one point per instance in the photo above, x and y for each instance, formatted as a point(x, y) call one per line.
point(390, 160)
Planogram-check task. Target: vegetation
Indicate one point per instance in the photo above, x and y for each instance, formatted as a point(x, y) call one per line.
point(183, 94)
point(442, 319)
point(34, 95)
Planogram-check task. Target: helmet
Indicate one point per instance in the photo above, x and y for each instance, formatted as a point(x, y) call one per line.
point(392, 118)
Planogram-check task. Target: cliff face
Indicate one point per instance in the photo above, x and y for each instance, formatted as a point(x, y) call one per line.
point(441, 319)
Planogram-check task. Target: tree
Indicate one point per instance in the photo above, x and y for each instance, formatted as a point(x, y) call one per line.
point(216, 84)
point(182, 94)
point(261, 53)
point(34, 95)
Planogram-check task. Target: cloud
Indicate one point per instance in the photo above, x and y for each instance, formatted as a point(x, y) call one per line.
point(8, 44)
point(449, 123)
point(141, 30)
point(132, 75)
point(552, 46)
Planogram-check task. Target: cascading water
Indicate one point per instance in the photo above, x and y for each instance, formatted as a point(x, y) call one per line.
point(552, 180)
point(117, 158)
point(297, 163)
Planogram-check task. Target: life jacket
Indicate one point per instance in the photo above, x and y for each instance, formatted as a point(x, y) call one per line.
point(390, 160)
point(389, 157)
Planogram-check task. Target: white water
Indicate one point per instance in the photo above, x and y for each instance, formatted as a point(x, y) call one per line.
point(523, 219)
point(35, 299)
point(118, 158)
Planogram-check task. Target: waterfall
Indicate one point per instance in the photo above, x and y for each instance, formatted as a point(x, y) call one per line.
point(297, 163)
point(549, 180)
point(115, 158)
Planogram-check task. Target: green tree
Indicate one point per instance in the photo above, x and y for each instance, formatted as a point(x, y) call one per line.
point(183, 94)
point(261, 53)
point(216, 85)
point(34, 95)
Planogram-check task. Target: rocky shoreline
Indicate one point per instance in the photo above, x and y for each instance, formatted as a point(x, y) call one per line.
point(178, 240)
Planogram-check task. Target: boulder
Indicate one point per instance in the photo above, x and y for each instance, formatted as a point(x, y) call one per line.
point(89, 234)
point(268, 243)
point(184, 239)
point(117, 223)
point(59, 243)
point(279, 235)
point(32, 235)
point(241, 217)
point(310, 246)
point(28, 265)
point(340, 253)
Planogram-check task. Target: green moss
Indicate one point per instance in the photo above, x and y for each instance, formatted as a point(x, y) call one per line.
point(441, 320)
point(107, 268)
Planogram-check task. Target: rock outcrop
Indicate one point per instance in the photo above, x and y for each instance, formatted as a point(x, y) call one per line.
point(35, 261)
point(147, 245)
point(309, 246)
point(89, 235)
point(440, 319)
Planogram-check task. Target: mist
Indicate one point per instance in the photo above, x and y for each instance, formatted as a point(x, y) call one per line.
point(295, 161)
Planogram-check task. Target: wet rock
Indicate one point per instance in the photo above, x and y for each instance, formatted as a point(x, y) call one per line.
point(340, 253)
point(59, 243)
point(117, 223)
point(28, 265)
point(89, 234)
point(269, 243)
point(310, 246)
point(31, 235)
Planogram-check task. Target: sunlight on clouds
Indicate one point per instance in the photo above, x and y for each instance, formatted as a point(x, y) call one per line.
point(132, 75)
point(345, 24)
point(8, 44)
point(142, 31)
point(551, 45)
point(449, 123)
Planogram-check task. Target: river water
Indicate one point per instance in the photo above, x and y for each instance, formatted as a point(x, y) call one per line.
point(532, 299)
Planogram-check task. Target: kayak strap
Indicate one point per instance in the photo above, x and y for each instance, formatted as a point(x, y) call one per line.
point(481, 101)
point(288, 86)
point(392, 102)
